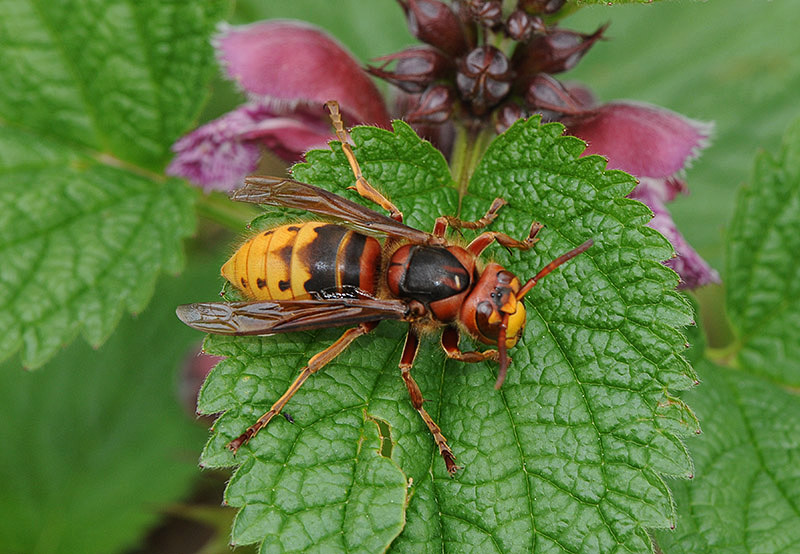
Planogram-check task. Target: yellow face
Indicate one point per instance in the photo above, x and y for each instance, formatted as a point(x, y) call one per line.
point(516, 323)
point(493, 299)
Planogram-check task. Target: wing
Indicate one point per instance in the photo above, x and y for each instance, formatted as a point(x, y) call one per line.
point(275, 191)
point(284, 316)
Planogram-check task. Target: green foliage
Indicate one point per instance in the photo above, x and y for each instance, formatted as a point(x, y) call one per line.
point(568, 456)
point(763, 281)
point(744, 497)
point(115, 77)
point(95, 442)
point(95, 93)
point(579, 3)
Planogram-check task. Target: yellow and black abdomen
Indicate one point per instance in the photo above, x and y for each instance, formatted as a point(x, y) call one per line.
point(305, 260)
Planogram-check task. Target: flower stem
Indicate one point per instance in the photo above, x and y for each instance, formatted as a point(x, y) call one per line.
point(725, 356)
point(470, 144)
point(218, 208)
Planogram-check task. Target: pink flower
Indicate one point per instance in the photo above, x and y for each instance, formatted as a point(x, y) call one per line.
point(655, 145)
point(288, 70)
point(693, 269)
point(194, 370)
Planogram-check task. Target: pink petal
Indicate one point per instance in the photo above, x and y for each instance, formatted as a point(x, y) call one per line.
point(290, 62)
point(289, 137)
point(693, 270)
point(196, 367)
point(214, 155)
point(221, 153)
point(644, 140)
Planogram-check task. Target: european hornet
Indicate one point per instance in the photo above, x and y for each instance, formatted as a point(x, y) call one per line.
point(333, 273)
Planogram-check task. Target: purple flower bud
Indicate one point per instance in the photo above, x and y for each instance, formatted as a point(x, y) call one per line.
point(488, 13)
point(557, 51)
point(546, 93)
point(484, 78)
point(693, 270)
point(196, 367)
point(541, 6)
point(434, 106)
point(582, 94)
point(219, 154)
point(520, 26)
point(507, 115)
point(415, 68)
point(644, 140)
point(434, 22)
point(289, 70)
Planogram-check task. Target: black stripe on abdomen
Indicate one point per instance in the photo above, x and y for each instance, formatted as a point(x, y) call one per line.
point(320, 257)
point(349, 263)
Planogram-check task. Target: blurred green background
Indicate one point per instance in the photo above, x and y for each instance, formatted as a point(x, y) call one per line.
point(89, 416)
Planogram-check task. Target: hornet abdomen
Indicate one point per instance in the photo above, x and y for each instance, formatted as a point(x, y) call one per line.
point(305, 260)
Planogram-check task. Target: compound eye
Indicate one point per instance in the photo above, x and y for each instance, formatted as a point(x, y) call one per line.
point(504, 278)
point(488, 320)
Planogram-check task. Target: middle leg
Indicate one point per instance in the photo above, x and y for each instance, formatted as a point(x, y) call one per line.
point(445, 221)
point(406, 361)
point(483, 240)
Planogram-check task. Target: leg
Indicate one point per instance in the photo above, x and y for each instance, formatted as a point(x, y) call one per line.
point(314, 364)
point(406, 361)
point(450, 338)
point(444, 221)
point(362, 186)
point(485, 239)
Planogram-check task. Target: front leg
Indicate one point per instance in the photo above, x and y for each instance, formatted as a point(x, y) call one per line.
point(450, 339)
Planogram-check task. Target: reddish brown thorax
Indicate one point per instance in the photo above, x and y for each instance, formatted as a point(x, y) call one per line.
point(440, 277)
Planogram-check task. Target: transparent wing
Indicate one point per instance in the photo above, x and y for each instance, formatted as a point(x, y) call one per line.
point(284, 316)
point(274, 191)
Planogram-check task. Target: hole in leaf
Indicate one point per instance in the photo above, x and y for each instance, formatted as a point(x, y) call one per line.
point(385, 432)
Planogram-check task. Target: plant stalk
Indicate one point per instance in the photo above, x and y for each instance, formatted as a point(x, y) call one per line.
point(232, 215)
point(470, 144)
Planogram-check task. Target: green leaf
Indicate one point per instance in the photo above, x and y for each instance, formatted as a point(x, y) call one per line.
point(763, 278)
point(567, 457)
point(82, 242)
point(97, 92)
point(695, 336)
point(96, 443)
point(113, 76)
point(744, 496)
